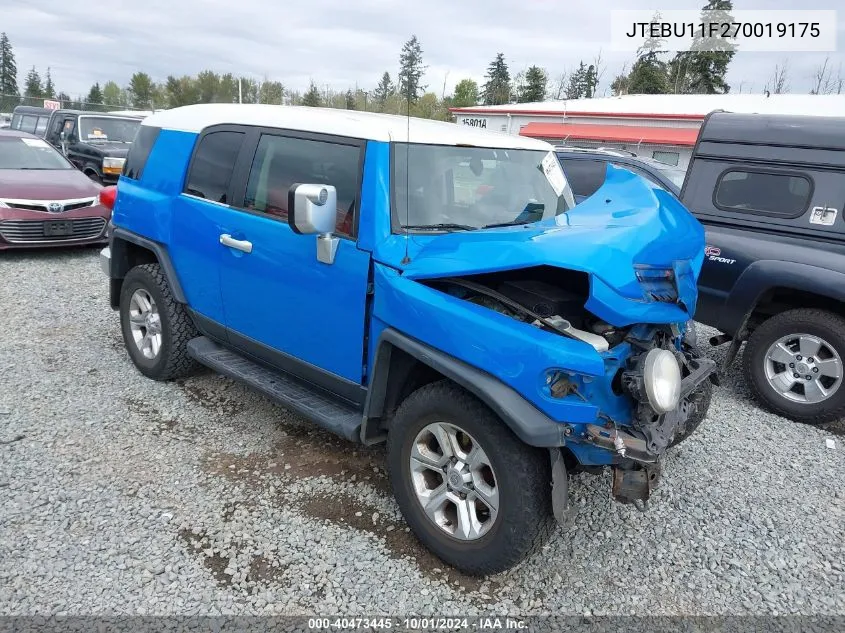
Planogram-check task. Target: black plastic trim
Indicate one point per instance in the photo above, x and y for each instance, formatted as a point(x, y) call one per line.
point(120, 265)
point(292, 208)
point(343, 389)
point(209, 327)
point(530, 424)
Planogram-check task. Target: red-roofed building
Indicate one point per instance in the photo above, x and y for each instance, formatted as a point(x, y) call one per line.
point(664, 127)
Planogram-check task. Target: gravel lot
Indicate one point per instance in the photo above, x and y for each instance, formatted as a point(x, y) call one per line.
point(122, 495)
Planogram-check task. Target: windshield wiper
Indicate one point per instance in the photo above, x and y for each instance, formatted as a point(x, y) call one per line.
point(441, 226)
point(511, 223)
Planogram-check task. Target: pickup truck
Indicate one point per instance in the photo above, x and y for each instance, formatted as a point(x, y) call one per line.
point(769, 191)
point(94, 142)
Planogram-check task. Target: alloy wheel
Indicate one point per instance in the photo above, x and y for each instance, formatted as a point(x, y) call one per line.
point(454, 481)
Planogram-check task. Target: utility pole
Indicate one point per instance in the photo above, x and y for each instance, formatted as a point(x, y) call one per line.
point(240, 92)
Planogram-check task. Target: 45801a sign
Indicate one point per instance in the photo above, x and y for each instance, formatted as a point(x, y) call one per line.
point(475, 122)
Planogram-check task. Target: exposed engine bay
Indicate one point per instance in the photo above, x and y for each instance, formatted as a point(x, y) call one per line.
point(549, 298)
point(662, 375)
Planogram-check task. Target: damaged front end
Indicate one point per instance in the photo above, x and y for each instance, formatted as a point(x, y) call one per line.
point(667, 381)
point(653, 392)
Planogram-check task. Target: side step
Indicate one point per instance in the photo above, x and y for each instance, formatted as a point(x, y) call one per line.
point(333, 416)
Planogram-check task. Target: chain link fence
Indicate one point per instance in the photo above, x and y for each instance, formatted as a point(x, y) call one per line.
point(9, 102)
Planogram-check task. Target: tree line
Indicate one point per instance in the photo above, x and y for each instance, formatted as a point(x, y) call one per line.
point(652, 71)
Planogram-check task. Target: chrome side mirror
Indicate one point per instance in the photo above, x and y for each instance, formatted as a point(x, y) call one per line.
point(63, 142)
point(313, 209)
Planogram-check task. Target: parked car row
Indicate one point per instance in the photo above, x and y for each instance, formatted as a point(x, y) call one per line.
point(96, 143)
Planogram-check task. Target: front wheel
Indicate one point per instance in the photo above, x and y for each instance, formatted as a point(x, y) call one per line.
point(793, 364)
point(471, 491)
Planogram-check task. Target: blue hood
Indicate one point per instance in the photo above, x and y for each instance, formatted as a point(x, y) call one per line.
point(627, 222)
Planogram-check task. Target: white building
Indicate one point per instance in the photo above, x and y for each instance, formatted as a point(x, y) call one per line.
point(664, 127)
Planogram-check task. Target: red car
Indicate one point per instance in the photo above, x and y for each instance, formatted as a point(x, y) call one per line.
point(44, 199)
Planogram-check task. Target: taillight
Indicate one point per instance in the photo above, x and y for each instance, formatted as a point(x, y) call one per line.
point(107, 196)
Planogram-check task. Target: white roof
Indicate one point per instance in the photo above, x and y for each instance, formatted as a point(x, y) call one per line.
point(350, 123)
point(693, 106)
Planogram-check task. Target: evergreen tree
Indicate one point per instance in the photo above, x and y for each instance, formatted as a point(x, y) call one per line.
point(383, 91)
point(649, 72)
point(208, 86)
point(141, 91)
point(498, 87)
point(700, 71)
point(312, 97)
point(9, 91)
point(534, 87)
point(351, 103)
point(32, 86)
point(113, 95)
point(466, 94)
point(411, 70)
point(272, 92)
point(249, 90)
point(94, 100)
point(49, 90)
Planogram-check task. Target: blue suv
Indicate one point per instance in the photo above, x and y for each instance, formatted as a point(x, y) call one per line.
point(423, 284)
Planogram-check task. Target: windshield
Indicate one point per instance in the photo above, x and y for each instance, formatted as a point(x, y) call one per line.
point(675, 175)
point(455, 188)
point(107, 129)
point(30, 153)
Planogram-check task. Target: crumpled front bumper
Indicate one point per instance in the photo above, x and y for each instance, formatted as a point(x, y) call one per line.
point(640, 454)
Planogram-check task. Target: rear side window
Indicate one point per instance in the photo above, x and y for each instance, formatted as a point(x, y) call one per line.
point(41, 126)
point(28, 123)
point(670, 158)
point(140, 151)
point(765, 193)
point(281, 161)
point(212, 166)
point(584, 176)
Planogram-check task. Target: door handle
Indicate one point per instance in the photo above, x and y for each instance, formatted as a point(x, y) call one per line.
point(231, 242)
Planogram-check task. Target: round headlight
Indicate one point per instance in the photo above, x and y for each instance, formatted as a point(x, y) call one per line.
point(662, 377)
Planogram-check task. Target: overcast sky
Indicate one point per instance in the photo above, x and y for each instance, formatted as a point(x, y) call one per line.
point(345, 43)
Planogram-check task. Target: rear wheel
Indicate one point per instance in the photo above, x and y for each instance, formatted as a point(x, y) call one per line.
point(793, 364)
point(156, 328)
point(471, 491)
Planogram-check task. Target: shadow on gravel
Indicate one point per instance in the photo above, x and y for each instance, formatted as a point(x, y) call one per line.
point(348, 512)
point(303, 453)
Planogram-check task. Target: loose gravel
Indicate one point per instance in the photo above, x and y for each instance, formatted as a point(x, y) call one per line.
point(123, 495)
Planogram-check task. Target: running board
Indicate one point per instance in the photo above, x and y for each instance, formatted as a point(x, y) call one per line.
point(341, 419)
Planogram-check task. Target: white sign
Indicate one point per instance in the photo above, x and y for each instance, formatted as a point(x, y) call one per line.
point(474, 121)
point(554, 173)
point(35, 142)
point(52, 105)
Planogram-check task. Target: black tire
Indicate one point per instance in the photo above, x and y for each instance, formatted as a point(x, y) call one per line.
point(700, 399)
point(177, 328)
point(93, 175)
point(523, 478)
point(826, 325)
